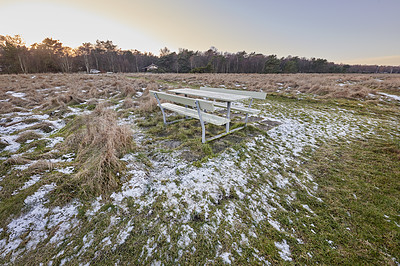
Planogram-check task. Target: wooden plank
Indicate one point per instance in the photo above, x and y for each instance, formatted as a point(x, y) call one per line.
point(209, 118)
point(220, 96)
point(240, 108)
point(206, 105)
point(252, 94)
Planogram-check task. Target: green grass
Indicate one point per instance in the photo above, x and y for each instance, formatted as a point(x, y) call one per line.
point(359, 184)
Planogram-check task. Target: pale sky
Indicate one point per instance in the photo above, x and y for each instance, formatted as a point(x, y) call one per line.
point(341, 31)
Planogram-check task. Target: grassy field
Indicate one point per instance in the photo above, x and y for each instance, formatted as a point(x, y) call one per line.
point(89, 173)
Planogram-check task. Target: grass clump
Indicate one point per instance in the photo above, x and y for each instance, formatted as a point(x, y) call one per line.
point(27, 135)
point(98, 142)
point(3, 145)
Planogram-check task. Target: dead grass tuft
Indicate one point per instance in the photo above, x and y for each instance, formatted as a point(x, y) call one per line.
point(147, 103)
point(28, 135)
point(6, 107)
point(128, 103)
point(2, 144)
point(40, 166)
point(16, 161)
point(99, 144)
point(128, 91)
point(46, 127)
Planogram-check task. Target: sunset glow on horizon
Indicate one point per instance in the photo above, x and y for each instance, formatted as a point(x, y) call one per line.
point(354, 32)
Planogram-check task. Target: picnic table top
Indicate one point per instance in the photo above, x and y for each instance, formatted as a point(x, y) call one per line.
point(225, 97)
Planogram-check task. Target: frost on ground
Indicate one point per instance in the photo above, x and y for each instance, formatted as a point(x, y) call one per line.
point(171, 210)
point(284, 250)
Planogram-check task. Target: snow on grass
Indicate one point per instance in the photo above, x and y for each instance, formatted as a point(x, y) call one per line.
point(187, 234)
point(391, 96)
point(284, 250)
point(16, 122)
point(96, 205)
point(187, 190)
point(53, 141)
point(33, 180)
point(123, 235)
point(67, 170)
point(62, 219)
point(16, 94)
point(226, 257)
point(12, 146)
point(68, 157)
point(32, 222)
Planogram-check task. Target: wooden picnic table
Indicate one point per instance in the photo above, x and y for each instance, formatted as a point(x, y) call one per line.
point(219, 96)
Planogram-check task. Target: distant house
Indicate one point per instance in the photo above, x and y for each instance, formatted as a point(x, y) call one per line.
point(151, 67)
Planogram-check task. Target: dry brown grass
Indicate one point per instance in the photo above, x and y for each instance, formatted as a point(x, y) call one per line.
point(27, 135)
point(40, 166)
point(6, 107)
point(324, 85)
point(128, 103)
point(56, 91)
point(147, 102)
point(16, 161)
point(46, 127)
point(99, 144)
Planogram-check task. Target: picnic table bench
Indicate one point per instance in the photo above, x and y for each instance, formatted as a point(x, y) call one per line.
point(197, 113)
point(202, 106)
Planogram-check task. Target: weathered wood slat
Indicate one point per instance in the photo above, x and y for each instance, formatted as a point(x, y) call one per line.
point(239, 108)
point(253, 94)
point(209, 118)
point(205, 105)
point(219, 96)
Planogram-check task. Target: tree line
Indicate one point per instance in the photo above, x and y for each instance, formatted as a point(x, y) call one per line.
point(52, 56)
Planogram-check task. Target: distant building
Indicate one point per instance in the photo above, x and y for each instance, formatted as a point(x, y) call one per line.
point(94, 71)
point(151, 67)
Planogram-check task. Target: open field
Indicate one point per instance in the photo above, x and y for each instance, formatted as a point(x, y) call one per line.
point(89, 174)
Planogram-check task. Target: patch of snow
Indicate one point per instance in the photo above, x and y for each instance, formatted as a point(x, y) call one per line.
point(16, 94)
point(67, 170)
point(13, 146)
point(275, 224)
point(63, 219)
point(284, 250)
point(123, 235)
point(395, 97)
point(32, 223)
point(225, 257)
point(54, 141)
point(305, 206)
point(106, 241)
point(96, 205)
point(34, 179)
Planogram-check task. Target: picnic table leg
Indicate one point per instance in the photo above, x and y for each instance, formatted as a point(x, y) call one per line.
point(247, 115)
point(186, 117)
point(162, 109)
point(228, 115)
point(203, 128)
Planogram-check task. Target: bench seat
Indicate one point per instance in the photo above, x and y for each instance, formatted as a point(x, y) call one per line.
point(239, 108)
point(209, 118)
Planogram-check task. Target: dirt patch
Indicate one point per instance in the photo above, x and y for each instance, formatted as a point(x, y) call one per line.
point(171, 144)
point(266, 125)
